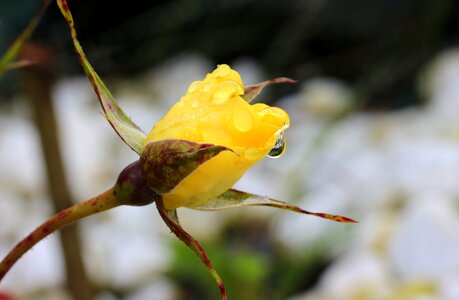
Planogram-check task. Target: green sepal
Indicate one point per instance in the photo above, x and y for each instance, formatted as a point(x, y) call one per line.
point(166, 163)
point(126, 129)
point(233, 198)
point(252, 91)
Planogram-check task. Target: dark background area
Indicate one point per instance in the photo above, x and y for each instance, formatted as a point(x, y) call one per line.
point(376, 46)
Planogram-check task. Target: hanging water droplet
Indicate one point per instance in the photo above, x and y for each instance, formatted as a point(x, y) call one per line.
point(279, 147)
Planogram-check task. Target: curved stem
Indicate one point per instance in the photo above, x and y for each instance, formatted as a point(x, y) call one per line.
point(170, 217)
point(102, 202)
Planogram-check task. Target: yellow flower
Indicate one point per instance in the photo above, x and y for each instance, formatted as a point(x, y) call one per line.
point(213, 111)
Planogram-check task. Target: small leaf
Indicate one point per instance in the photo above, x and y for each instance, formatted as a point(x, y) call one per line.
point(7, 60)
point(234, 198)
point(168, 217)
point(127, 130)
point(166, 163)
point(252, 91)
point(16, 65)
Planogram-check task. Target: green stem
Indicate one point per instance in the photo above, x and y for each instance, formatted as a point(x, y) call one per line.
point(102, 202)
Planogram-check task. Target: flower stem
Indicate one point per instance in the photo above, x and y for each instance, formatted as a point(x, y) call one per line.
point(102, 202)
point(170, 217)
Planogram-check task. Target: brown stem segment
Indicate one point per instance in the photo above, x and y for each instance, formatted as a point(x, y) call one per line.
point(168, 216)
point(102, 202)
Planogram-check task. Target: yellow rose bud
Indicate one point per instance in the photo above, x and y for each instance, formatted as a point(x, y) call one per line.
point(213, 111)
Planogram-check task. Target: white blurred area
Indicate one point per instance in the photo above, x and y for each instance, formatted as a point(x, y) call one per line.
point(397, 173)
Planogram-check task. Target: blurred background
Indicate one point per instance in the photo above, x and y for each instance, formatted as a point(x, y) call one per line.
point(374, 136)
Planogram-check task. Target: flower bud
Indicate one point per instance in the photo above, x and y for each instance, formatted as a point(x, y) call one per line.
point(213, 112)
point(131, 187)
point(166, 163)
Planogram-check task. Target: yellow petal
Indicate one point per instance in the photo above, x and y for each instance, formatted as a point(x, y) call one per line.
point(213, 111)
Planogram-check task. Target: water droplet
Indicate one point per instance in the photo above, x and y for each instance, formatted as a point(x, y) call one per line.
point(180, 104)
point(252, 154)
point(275, 116)
point(208, 86)
point(222, 71)
point(279, 147)
point(218, 98)
point(195, 103)
point(194, 85)
point(224, 92)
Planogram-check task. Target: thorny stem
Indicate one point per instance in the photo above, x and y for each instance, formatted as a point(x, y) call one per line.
point(192, 243)
point(130, 189)
point(102, 202)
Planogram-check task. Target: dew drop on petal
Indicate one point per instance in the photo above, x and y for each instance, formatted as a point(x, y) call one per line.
point(217, 98)
point(194, 85)
point(252, 154)
point(275, 116)
point(222, 71)
point(279, 147)
point(195, 103)
point(224, 92)
point(208, 86)
point(179, 104)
